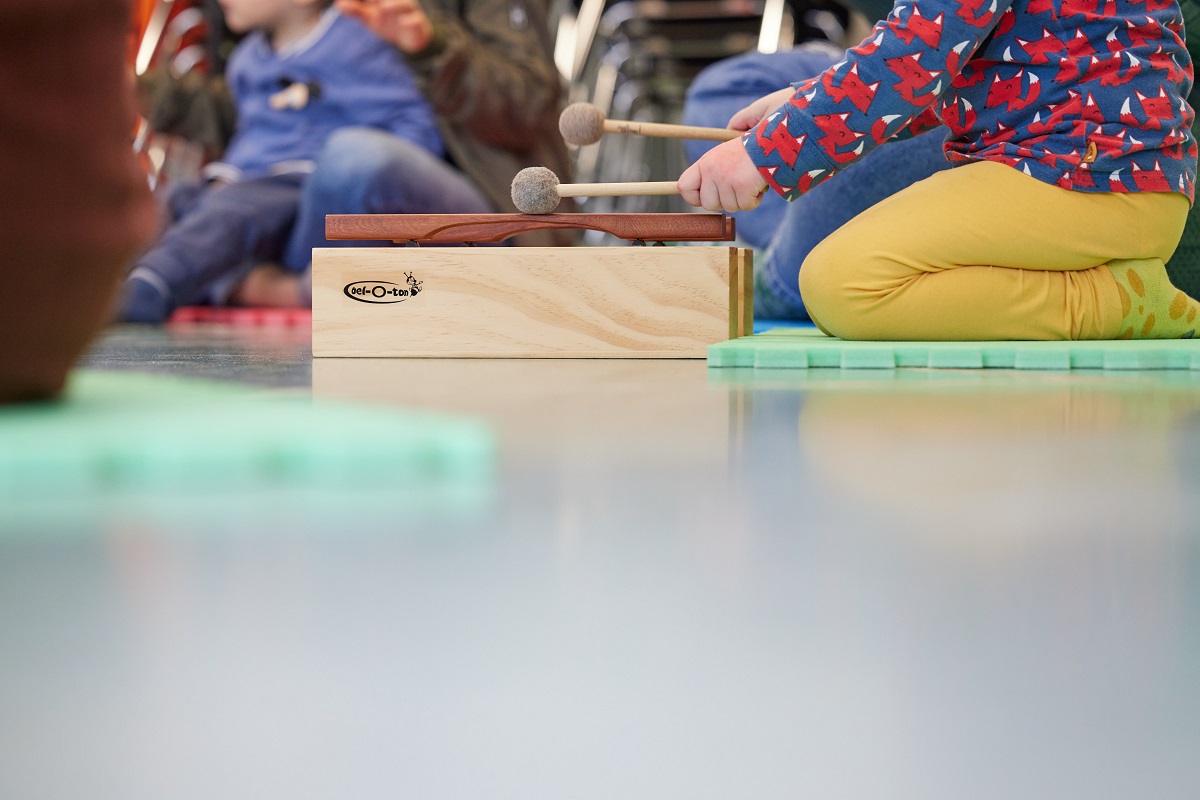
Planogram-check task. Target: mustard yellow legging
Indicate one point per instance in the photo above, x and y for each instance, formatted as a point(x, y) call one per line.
point(985, 252)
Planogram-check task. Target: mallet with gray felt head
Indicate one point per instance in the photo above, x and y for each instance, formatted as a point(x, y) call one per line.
point(536, 190)
point(582, 124)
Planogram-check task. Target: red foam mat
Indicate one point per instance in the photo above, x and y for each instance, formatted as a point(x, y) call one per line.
point(244, 317)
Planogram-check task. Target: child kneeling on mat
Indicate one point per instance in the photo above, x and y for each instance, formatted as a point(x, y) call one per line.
point(304, 72)
point(1075, 170)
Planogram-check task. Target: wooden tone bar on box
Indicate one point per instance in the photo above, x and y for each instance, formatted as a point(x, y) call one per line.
point(529, 302)
point(464, 228)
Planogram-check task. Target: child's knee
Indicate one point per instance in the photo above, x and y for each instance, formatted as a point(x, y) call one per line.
point(823, 284)
point(355, 153)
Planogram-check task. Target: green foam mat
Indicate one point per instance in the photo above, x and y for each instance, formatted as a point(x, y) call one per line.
point(804, 348)
point(135, 432)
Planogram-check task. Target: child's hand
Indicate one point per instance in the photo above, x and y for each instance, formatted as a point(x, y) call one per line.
point(754, 113)
point(402, 22)
point(724, 179)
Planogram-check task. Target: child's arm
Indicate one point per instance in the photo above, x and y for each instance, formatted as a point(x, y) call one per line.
point(798, 138)
point(884, 89)
point(365, 80)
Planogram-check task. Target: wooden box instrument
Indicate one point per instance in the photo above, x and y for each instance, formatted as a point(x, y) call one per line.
point(529, 302)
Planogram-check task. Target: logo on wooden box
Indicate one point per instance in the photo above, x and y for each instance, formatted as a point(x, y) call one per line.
point(383, 291)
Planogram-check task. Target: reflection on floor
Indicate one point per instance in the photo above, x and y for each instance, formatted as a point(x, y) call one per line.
point(681, 582)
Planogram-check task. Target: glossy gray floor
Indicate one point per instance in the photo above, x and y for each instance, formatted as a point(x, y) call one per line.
point(681, 583)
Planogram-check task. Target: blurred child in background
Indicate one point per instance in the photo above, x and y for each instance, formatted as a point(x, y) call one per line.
point(303, 72)
point(487, 68)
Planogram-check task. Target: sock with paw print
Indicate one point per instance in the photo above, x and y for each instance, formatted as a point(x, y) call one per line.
point(1151, 306)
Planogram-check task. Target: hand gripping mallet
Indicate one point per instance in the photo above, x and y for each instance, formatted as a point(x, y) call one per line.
point(536, 190)
point(582, 124)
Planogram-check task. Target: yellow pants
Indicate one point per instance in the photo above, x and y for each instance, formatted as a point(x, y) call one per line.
point(985, 252)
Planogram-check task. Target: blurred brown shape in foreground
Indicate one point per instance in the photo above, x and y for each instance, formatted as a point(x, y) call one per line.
point(74, 205)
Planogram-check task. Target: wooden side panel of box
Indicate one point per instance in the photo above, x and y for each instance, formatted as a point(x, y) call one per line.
point(745, 292)
point(741, 292)
point(523, 302)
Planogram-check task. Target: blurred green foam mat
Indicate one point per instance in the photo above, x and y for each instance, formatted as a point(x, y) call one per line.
point(807, 348)
point(127, 431)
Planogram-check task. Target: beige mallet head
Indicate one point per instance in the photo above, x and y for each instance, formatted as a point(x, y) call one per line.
point(535, 190)
point(583, 123)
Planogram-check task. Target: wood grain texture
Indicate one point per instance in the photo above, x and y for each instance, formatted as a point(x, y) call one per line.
point(461, 228)
point(530, 302)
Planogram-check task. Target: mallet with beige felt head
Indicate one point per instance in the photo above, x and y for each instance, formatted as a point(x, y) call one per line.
point(536, 190)
point(583, 124)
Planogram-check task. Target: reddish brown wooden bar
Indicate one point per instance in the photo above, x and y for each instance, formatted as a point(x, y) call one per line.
point(465, 228)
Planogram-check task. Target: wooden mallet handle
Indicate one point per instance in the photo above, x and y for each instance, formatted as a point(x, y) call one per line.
point(669, 131)
point(634, 189)
point(536, 190)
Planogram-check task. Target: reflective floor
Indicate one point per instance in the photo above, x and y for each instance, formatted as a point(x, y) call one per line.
point(678, 583)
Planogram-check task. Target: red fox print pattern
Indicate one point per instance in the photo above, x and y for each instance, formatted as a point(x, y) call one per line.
point(928, 31)
point(837, 136)
point(913, 79)
point(1034, 84)
point(860, 94)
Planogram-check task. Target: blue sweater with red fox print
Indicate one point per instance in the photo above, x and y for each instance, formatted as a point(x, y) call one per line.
point(1083, 94)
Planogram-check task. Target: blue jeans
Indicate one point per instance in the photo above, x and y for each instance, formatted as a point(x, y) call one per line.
point(216, 232)
point(788, 231)
point(369, 171)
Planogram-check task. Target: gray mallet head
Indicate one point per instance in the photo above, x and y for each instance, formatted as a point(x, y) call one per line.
point(581, 124)
point(535, 190)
